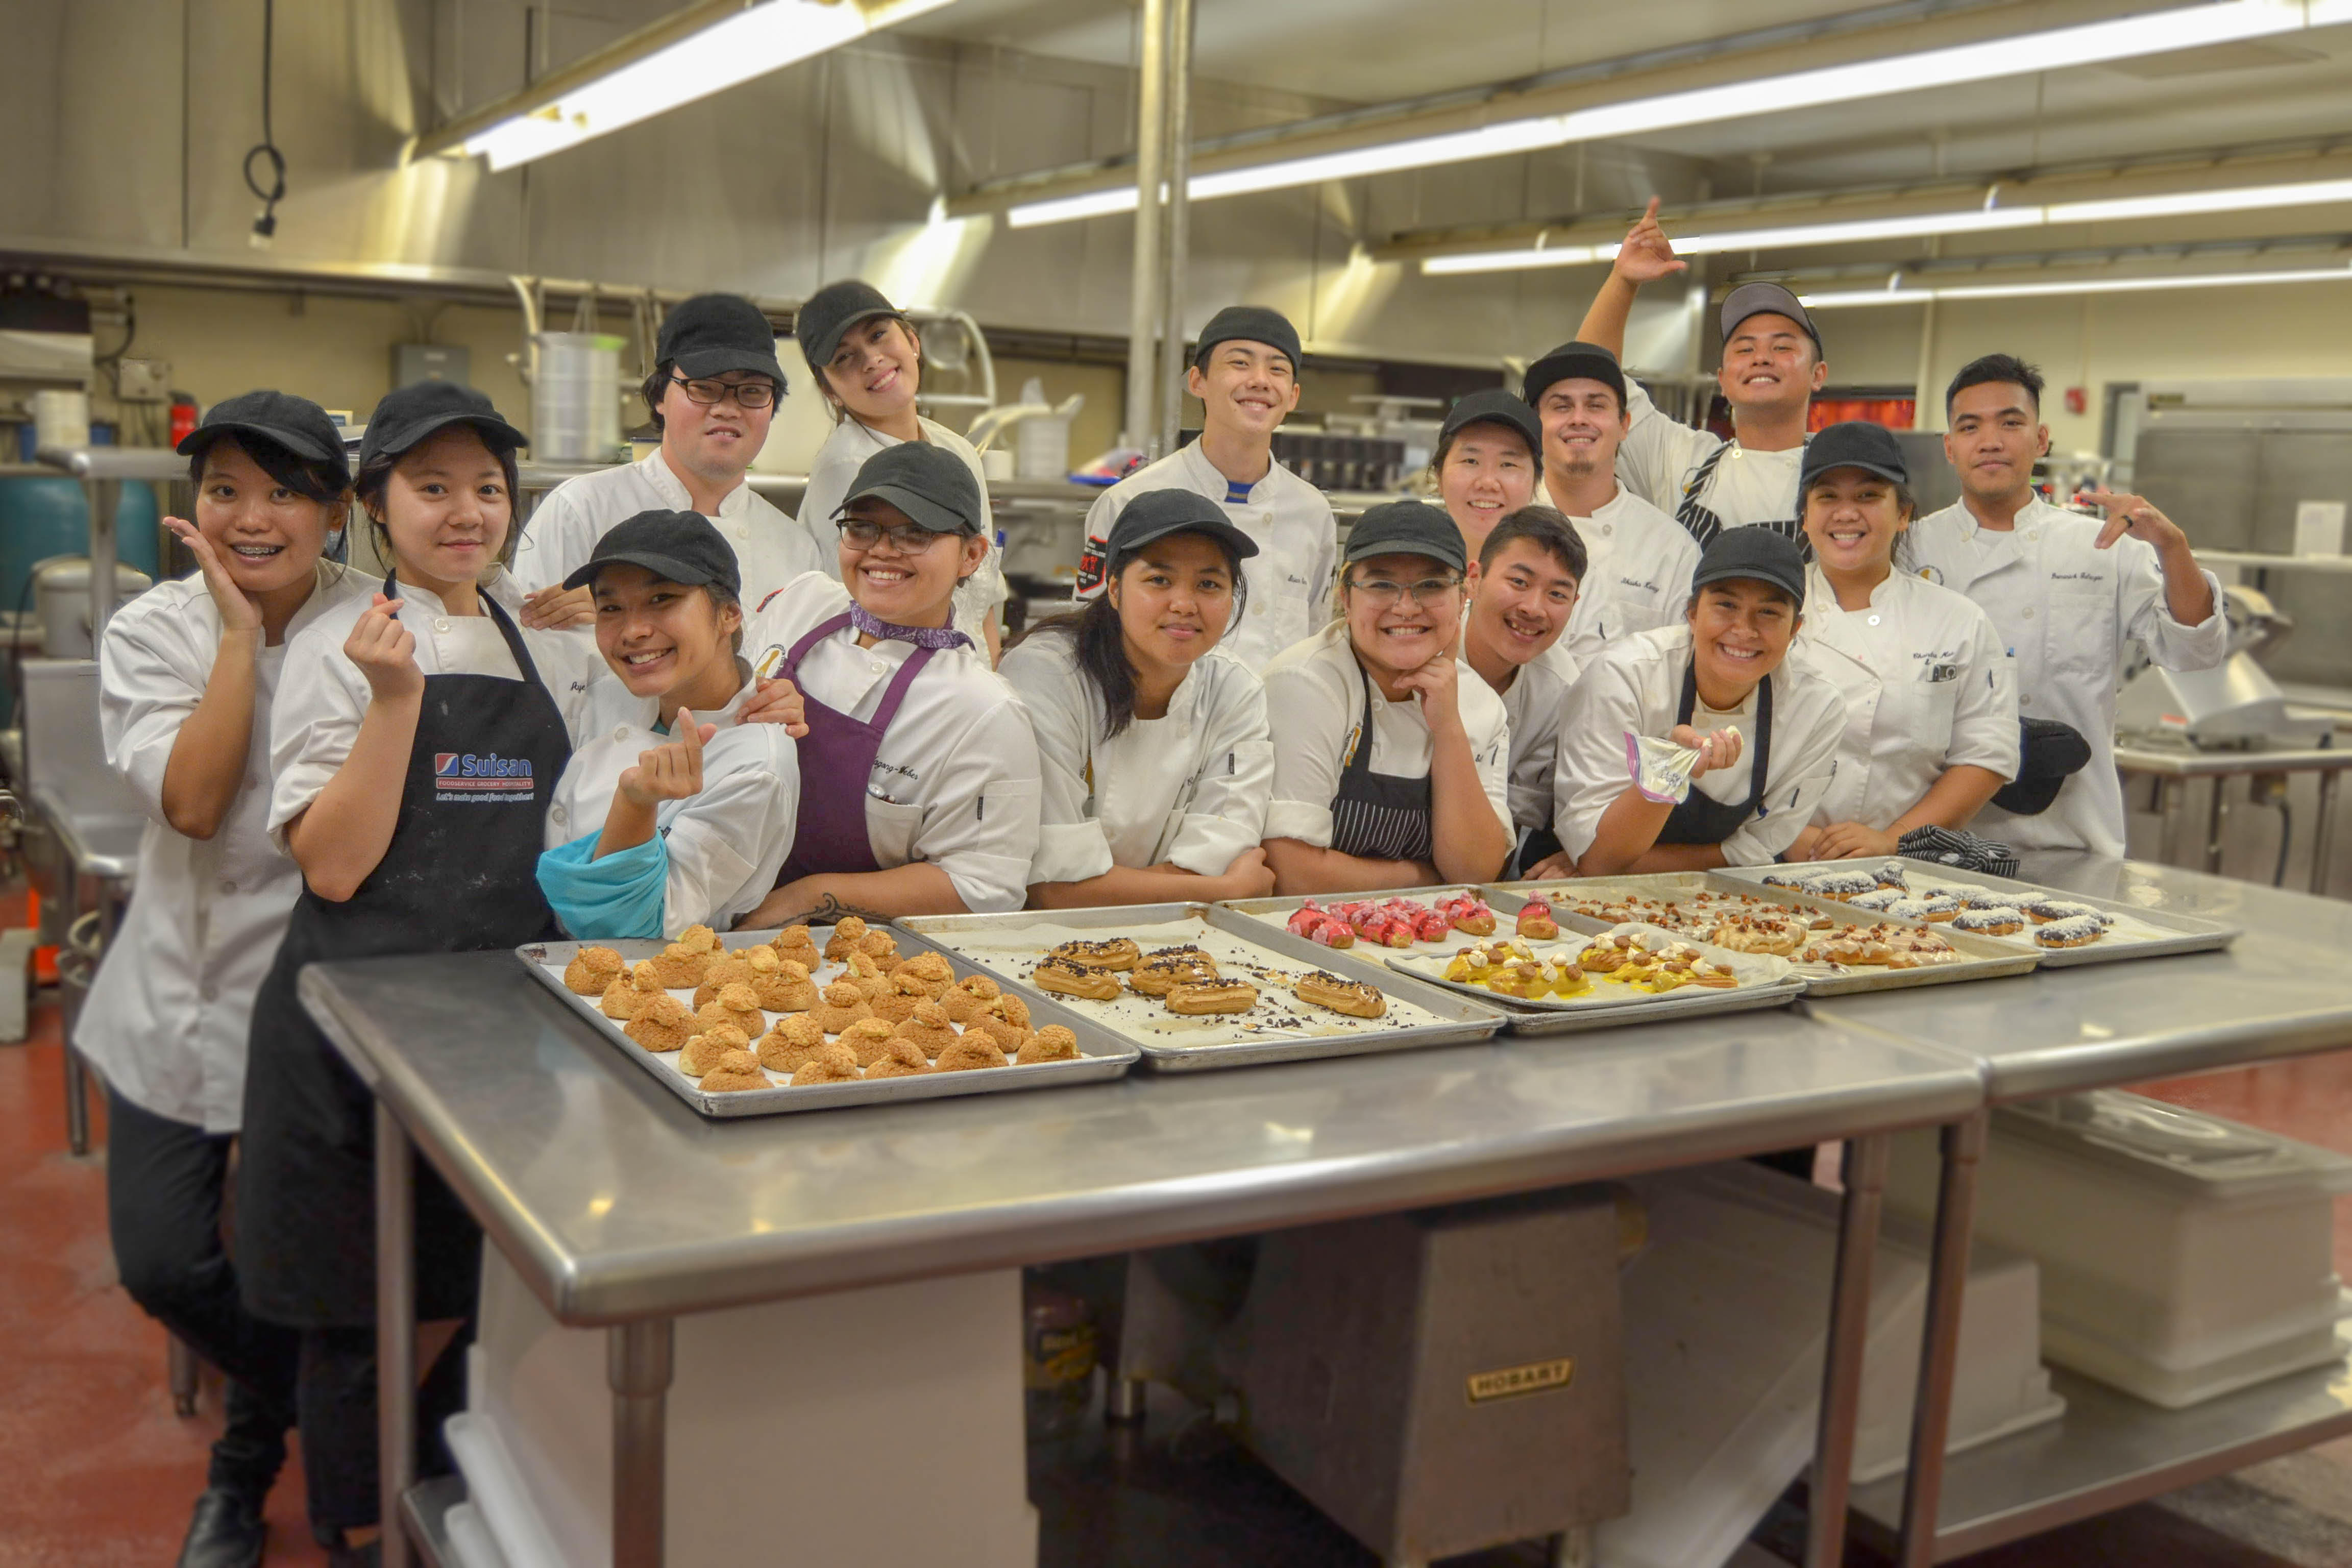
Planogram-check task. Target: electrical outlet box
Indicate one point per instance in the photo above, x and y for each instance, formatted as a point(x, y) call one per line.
point(413, 363)
point(143, 381)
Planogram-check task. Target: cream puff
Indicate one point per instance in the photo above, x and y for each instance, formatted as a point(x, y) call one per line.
point(1054, 1043)
point(592, 971)
point(841, 1005)
point(793, 1041)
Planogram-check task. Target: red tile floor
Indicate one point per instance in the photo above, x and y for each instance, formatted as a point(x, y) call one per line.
point(102, 1473)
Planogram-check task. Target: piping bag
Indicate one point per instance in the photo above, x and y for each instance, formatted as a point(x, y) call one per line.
point(1661, 770)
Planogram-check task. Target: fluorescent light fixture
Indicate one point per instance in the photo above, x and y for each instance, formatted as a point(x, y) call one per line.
point(2092, 43)
point(1971, 220)
point(1918, 296)
point(751, 43)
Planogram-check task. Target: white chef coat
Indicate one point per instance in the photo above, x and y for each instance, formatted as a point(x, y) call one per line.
point(959, 764)
point(725, 844)
point(1659, 457)
point(1290, 577)
point(1533, 703)
point(978, 597)
point(1637, 574)
point(1315, 703)
point(1636, 687)
point(172, 1005)
point(1189, 788)
point(2067, 610)
point(324, 696)
point(1927, 685)
point(771, 549)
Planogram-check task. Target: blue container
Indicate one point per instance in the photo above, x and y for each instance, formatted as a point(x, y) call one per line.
point(44, 517)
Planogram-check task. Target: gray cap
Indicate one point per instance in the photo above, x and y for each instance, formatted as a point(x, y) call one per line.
point(826, 316)
point(1249, 324)
point(1762, 298)
point(929, 484)
point(1755, 552)
point(1492, 406)
point(1407, 528)
point(1155, 514)
point(1574, 361)
point(1854, 443)
point(711, 334)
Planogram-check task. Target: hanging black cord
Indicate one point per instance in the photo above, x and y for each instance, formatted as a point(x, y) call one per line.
point(265, 225)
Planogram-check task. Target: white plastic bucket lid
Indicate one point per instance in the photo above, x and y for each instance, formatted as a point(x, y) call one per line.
point(2147, 1139)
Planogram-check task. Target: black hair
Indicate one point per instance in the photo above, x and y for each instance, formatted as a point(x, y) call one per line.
point(1445, 444)
point(1544, 527)
point(376, 478)
point(1989, 369)
point(825, 395)
point(655, 388)
point(1102, 647)
point(313, 479)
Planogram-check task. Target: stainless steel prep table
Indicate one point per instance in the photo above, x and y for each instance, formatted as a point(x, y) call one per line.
point(2173, 767)
point(2283, 990)
point(101, 845)
point(577, 1169)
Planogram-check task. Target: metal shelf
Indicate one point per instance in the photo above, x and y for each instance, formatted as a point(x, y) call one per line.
point(2258, 562)
point(424, 1512)
point(2111, 1450)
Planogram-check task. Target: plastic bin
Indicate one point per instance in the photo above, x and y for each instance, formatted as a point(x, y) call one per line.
point(2183, 1256)
point(1727, 1314)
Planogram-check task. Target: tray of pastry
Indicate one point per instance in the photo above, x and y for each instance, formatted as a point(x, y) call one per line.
point(2066, 928)
point(1371, 926)
point(1197, 986)
point(1556, 980)
point(1837, 950)
point(762, 1023)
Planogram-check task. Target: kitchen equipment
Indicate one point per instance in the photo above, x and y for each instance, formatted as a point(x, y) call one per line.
point(2235, 706)
point(60, 590)
point(575, 398)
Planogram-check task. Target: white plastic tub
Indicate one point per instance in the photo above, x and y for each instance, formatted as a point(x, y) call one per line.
point(1727, 1314)
point(872, 1429)
point(2183, 1256)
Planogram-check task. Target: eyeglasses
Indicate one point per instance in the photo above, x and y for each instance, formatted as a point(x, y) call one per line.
point(747, 394)
point(905, 538)
point(1381, 594)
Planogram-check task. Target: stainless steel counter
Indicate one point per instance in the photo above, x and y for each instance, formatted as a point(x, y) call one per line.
point(620, 1207)
point(616, 1202)
point(2173, 766)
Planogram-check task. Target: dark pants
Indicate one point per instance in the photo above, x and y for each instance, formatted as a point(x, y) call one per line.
point(164, 1185)
point(340, 1446)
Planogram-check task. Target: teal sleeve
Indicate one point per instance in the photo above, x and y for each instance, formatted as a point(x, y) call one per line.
point(619, 896)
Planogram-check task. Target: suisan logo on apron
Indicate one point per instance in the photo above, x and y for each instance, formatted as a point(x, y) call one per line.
point(469, 776)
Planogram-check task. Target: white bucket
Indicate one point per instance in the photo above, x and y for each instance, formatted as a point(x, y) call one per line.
point(62, 418)
point(575, 398)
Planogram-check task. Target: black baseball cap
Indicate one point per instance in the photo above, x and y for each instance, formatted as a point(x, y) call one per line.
point(1248, 323)
point(929, 484)
point(1854, 443)
point(1574, 361)
point(1757, 553)
point(1407, 528)
point(711, 334)
point(410, 414)
point(1761, 299)
point(675, 546)
point(826, 316)
point(1493, 407)
point(1155, 514)
point(297, 423)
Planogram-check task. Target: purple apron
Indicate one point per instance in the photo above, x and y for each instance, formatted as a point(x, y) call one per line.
point(831, 837)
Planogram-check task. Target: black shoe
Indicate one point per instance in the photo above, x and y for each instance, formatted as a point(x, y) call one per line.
point(227, 1532)
point(368, 1556)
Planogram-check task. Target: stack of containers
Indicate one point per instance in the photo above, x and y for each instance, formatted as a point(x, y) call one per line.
point(2183, 1257)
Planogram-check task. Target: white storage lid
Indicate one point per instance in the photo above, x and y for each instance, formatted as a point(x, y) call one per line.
point(2202, 1156)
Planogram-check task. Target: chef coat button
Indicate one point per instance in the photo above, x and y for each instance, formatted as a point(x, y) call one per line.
point(2029, 614)
point(227, 887)
point(209, 993)
point(441, 624)
point(620, 733)
point(1873, 620)
point(879, 666)
point(1607, 529)
point(555, 815)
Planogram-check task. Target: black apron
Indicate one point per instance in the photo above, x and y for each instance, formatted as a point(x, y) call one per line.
point(1700, 818)
point(1703, 525)
point(460, 876)
point(1379, 816)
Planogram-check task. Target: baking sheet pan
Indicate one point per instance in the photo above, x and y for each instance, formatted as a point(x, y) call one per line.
point(2137, 933)
point(1600, 1012)
point(1982, 958)
point(1102, 1055)
point(1764, 981)
point(1279, 1028)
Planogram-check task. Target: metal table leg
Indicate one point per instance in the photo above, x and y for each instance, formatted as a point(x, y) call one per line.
point(2323, 830)
point(2217, 817)
point(1832, 1474)
point(77, 1073)
point(396, 1330)
point(1939, 1352)
point(637, 1365)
